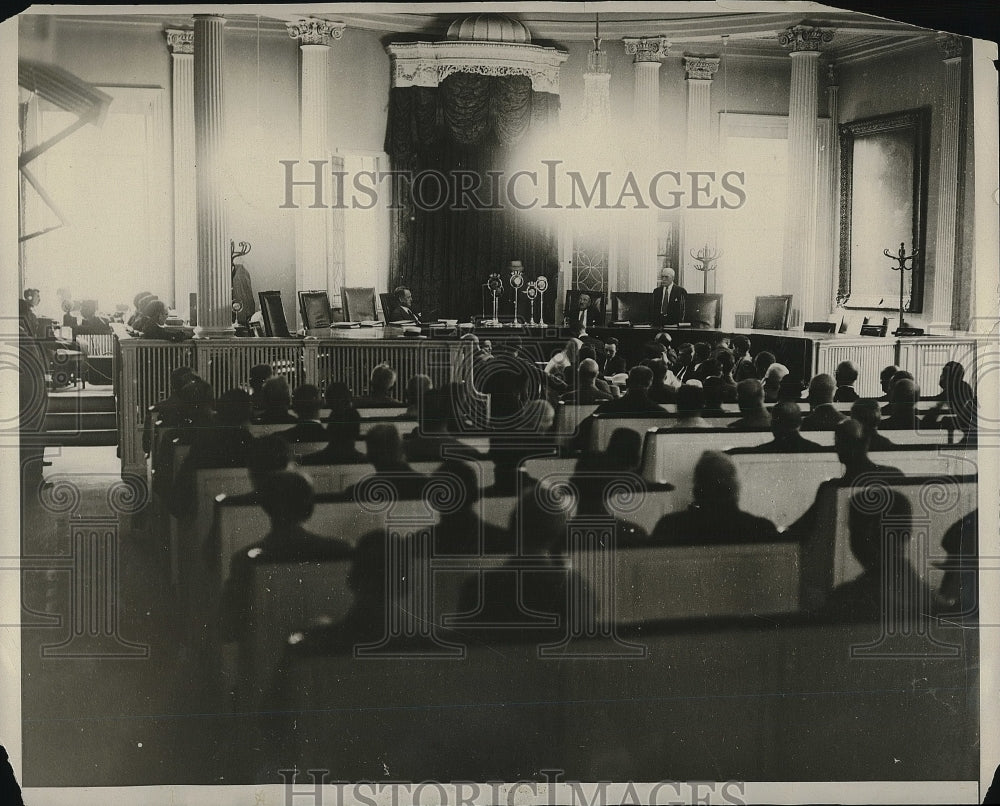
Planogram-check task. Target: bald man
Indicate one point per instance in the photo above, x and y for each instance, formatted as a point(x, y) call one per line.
point(903, 397)
point(669, 300)
point(822, 414)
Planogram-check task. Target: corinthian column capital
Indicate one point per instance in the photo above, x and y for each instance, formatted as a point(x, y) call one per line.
point(701, 68)
point(315, 32)
point(802, 38)
point(647, 48)
point(180, 40)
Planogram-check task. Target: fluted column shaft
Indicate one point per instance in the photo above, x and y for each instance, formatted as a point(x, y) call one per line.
point(799, 249)
point(313, 227)
point(215, 312)
point(699, 225)
point(643, 268)
point(181, 44)
point(947, 214)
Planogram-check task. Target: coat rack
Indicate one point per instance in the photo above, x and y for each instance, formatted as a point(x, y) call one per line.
point(902, 258)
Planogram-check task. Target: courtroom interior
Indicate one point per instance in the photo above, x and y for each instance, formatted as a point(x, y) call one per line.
point(460, 396)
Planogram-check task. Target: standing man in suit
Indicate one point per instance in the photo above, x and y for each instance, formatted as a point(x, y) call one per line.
point(586, 313)
point(669, 300)
point(403, 310)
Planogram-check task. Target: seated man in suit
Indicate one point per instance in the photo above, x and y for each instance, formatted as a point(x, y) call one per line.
point(786, 419)
point(586, 389)
point(750, 398)
point(380, 386)
point(889, 589)
point(822, 414)
point(714, 517)
point(669, 300)
point(614, 363)
point(155, 324)
point(636, 398)
point(885, 381)
point(385, 452)
point(851, 442)
point(866, 411)
point(287, 498)
point(846, 375)
point(586, 313)
point(273, 402)
point(903, 397)
point(431, 439)
point(462, 531)
point(403, 311)
point(306, 403)
point(342, 435)
point(90, 323)
point(690, 406)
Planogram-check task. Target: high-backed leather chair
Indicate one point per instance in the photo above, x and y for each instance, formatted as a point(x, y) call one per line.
point(771, 312)
point(704, 310)
point(315, 309)
point(273, 313)
point(359, 304)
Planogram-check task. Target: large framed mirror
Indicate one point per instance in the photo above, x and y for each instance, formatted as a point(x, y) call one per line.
point(883, 203)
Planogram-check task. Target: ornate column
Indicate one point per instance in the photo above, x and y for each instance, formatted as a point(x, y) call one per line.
point(215, 287)
point(799, 249)
point(648, 52)
point(948, 181)
point(827, 217)
point(180, 42)
point(699, 231)
point(313, 227)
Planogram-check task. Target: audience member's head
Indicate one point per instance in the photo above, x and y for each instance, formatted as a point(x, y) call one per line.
point(343, 429)
point(846, 373)
point(233, 408)
point(867, 412)
point(417, 387)
point(885, 377)
point(714, 388)
point(741, 346)
point(88, 309)
point(275, 395)
point(951, 373)
point(463, 476)
point(155, 312)
point(715, 481)
point(611, 347)
point(851, 442)
point(772, 379)
point(434, 411)
point(690, 400)
point(338, 396)
point(822, 388)
point(259, 373)
point(382, 379)
point(790, 388)
point(624, 450)
point(750, 395)
point(197, 400)
point(904, 392)
point(702, 351)
point(179, 377)
point(640, 378)
point(307, 402)
point(287, 497)
point(588, 371)
point(384, 446)
point(727, 363)
point(874, 542)
point(267, 454)
point(659, 370)
point(786, 418)
point(761, 362)
point(587, 351)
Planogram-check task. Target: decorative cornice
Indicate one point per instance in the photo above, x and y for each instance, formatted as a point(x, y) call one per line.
point(647, 49)
point(802, 38)
point(315, 32)
point(427, 64)
point(701, 68)
point(950, 46)
point(180, 40)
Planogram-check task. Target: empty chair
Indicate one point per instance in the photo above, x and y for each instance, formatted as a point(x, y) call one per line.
point(771, 312)
point(704, 310)
point(359, 304)
point(271, 309)
point(315, 309)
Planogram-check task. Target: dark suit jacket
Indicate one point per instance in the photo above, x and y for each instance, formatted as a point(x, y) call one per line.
point(676, 306)
point(403, 314)
point(696, 526)
point(594, 317)
point(845, 394)
point(794, 444)
point(822, 418)
point(305, 432)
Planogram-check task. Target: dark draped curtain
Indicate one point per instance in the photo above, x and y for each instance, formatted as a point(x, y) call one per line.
point(469, 122)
